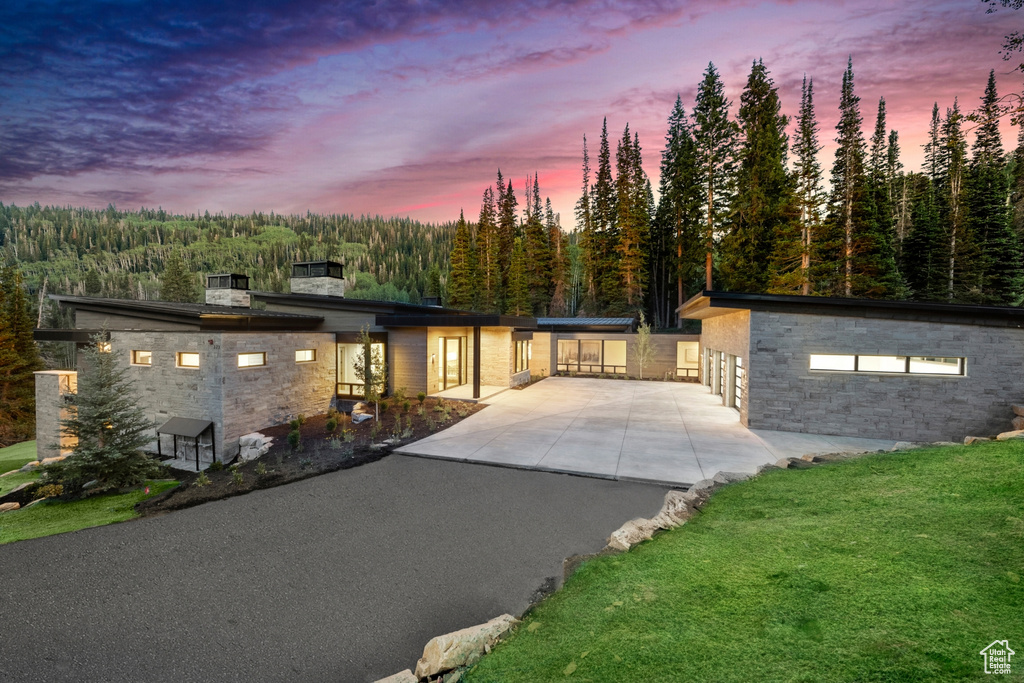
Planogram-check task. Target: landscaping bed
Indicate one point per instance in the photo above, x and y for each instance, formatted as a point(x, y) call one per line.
point(319, 451)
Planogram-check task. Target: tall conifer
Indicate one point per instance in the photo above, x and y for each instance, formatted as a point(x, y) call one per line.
point(488, 255)
point(715, 135)
point(793, 255)
point(462, 280)
point(763, 207)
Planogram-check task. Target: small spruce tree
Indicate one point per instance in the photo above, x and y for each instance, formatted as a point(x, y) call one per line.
point(110, 427)
point(177, 283)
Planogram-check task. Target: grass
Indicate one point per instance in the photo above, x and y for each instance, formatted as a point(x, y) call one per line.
point(13, 457)
point(892, 567)
point(54, 517)
point(13, 481)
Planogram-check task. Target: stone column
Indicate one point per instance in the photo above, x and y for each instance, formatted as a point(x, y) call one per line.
point(51, 388)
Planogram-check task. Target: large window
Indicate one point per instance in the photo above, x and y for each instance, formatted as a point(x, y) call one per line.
point(187, 359)
point(142, 357)
point(687, 355)
point(592, 355)
point(524, 351)
point(251, 360)
point(913, 365)
point(349, 357)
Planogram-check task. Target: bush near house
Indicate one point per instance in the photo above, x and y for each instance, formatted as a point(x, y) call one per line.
point(892, 567)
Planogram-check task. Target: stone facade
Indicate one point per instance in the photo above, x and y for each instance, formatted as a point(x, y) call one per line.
point(223, 296)
point(51, 388)
point(324, 286)
point(786, 395)
point(237, 400)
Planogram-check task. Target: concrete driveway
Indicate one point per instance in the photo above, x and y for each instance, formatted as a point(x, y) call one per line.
point(343, 577)
point(667, 432)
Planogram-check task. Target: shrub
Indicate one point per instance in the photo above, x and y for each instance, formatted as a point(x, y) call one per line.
point(261, 469)
point(384, 405)
point(236, 474)
point(431, 425)
point(48, 491)
point(216, 466)
point(332, 412)
point(332, 425)
point(295, 424)
point(306, 463)
point(294, 439)
point(334, 444)
point(374, 430)
point(347, 435)
point(202, 479)
point(301, 418)
point(462, 411)
point(421, 397)
point(421, 411)
point(399, 394)
point(438, 407)
point(406, 405)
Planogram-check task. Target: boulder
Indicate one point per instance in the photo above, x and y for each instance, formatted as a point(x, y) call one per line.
point(7, 474)
point(1006, 436)
point(400, 677)
point(47, 461)
point(19, 487)
point(631, 533)
point(29, 466)
point(361, 417)
point(1018, 422)
point(705, 484)
point(676, 509)
point(968, 440)
point(1018, 409)
point(730, 477)
point(37, 500)
point(452, 650)
point(252, 446)
point(903, 446)
point(8, 507)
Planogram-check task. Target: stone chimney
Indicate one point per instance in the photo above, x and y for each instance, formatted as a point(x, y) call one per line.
point(229, 289)
point(318, 277)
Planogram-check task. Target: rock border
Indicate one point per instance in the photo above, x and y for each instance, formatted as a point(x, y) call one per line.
point(468, 645)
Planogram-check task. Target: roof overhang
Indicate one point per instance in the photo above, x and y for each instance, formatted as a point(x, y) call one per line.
point(76, 336)
point(468, 320)
point(709, 304)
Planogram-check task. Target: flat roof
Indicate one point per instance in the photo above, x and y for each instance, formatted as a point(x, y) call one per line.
point(203, 316)
point(709, 304)
point(187, 427)
point(586, 324)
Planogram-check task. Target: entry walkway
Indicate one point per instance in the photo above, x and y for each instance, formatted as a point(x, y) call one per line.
point(667, 432)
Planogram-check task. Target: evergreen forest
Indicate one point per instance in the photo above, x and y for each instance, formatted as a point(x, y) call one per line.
point(743, 204)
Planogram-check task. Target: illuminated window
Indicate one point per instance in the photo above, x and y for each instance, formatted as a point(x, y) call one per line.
point(104, 347)
point(914, 365)
point(305, 355)
point(188, 359)
point(251, 360)
point(524, 352)
point(142, 357)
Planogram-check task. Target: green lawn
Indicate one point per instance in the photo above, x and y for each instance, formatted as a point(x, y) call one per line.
point(893, 567)
point(52, 517)
point(13, 481)
point(13, 457)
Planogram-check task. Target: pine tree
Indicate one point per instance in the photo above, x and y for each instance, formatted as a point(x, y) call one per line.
point(507, 230)
point(880, 276)
point(93, 284)
point(559, 262)
point(538, 252)
point(859, 264)
point(177, 283)
point(517, 301)
point(462, 279)
point(925, 259)
point(487, 253)
point(715, 136)
point(1000, 280)
point(108, 424)
point(633, 222)
point(763, 207)
point(586, 229)
point(951, 204)
point(796, 245)
point(19, 359)
point(679, 214)
point(605, 229)
point(899, 197)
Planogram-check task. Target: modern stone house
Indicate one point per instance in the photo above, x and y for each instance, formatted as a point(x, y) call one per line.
point(856, 367)
point(246, 360)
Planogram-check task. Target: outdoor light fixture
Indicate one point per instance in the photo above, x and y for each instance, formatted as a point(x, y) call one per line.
point(433, 358)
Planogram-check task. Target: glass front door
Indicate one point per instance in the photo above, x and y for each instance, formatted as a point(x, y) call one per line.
point(451, 370)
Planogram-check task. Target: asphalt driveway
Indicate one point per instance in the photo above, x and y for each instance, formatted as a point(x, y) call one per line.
point(343, 577)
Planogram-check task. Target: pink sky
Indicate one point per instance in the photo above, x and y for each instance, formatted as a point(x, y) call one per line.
point(403, 112)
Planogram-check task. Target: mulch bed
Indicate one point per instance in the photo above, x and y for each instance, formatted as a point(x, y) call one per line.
point(320, 452)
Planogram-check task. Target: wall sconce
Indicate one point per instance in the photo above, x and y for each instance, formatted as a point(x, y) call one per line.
point(433, 358)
